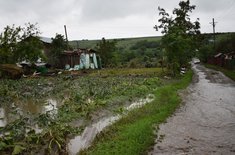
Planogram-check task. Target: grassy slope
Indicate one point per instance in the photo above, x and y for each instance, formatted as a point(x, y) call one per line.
point(229, 73)
point(133, 134)
point(125, 43)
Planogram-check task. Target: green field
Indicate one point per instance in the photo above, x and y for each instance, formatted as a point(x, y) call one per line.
point(78, 96)
point(129, 52)
point(125, 43)
point(134, 133)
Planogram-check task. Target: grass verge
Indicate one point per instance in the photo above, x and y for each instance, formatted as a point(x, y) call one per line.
point(229, 73)
point(129, 72)
point(133, 134)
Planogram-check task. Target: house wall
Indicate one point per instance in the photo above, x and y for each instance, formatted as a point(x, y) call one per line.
point(86, 59)
point(72, 60)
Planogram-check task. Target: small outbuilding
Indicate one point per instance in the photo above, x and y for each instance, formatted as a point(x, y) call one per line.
point(80, 59)
point(230, 60)
point(226, 60)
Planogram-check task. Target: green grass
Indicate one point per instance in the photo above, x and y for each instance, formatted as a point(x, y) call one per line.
point(111, 91)
point(127, 72)
point(133, 134)
point(229, 73)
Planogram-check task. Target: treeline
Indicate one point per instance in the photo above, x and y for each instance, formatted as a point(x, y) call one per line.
point(143, 53)
point(224, 43)
point(20, 43)
point(144, 44)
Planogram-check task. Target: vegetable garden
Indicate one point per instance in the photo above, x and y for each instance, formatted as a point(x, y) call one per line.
point(27, 126)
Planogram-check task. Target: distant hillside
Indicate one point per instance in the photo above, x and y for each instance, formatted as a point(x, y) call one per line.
point(121, 43)
point(131, 52)
point(147, 52)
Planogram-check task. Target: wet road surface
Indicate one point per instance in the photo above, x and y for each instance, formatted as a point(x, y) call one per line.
point(205, 124)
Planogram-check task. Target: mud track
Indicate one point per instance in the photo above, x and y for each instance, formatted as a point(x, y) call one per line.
point(205, 124)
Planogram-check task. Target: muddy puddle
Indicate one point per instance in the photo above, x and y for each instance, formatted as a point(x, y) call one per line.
point(84, 140)
point(205, 124)
point(3, 119)
point(27, 108)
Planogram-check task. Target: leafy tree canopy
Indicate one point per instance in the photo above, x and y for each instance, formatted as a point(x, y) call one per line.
point(180, 33)
point(106, 49)
point(20, 43)
point(59, 44)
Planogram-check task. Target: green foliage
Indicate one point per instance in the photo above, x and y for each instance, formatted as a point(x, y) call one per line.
point(143, 44)
point(29, 49)
point(106, 50)
point(18, 150)
point(20, 43)
point(134, 134)
point(130, 49)
point(8, 43)
point(20, 136)
point(205, 52)
point(58, 45)
point(224, 44)
point(80, 96)
point(179, 38)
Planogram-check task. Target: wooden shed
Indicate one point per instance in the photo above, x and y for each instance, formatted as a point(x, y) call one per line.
point(80, 59)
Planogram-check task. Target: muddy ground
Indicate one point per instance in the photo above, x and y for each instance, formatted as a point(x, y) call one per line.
point(205, 124)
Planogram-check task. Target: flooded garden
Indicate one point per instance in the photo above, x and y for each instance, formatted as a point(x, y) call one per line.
point(50, 115)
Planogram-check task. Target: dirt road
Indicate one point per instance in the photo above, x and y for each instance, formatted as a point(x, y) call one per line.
point(205, 124)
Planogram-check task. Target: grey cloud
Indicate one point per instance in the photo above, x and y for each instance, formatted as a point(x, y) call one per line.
point(108, 18)
point(213, 6)
point(94, 10)
point(35, 10)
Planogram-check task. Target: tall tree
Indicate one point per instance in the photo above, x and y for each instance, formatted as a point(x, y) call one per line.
point(59, 44)
point(8, 43)
point(20, 43)
point(106, 50)
point(30, 47)
point(179, 34)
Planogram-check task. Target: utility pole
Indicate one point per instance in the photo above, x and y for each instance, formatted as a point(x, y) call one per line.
point(77, 44)
point(213, 24)
point(66, 35)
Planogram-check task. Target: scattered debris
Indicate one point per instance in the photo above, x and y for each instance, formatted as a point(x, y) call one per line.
point(167, 77)
point(10, 71)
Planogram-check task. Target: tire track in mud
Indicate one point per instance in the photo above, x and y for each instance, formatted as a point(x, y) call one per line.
point(205, 124)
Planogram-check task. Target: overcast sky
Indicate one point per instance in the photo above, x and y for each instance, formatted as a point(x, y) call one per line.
point(94, 19)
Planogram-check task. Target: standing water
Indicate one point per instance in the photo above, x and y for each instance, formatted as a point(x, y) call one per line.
point(85, 139)
point(27, 108)
point(3, 120)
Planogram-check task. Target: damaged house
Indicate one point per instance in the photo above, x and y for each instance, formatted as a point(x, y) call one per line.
point(80, 59)
point(226, 60)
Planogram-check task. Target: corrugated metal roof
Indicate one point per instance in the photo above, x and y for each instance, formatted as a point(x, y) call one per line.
point(218, 55)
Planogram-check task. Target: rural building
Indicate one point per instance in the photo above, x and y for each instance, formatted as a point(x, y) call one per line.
point(226, 60)
point(46, 45)
point(80, 59)
point(219, 59)
point(230, 60)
